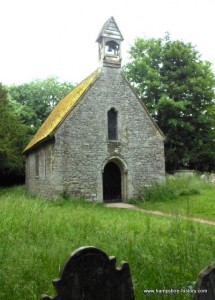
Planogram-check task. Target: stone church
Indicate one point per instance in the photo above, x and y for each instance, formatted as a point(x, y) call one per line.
point(99, 142)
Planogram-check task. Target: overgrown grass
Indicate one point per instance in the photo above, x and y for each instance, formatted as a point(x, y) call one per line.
point(183, 195)
point(36, 236)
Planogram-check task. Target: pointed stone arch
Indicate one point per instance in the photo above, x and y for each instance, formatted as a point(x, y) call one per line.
point(114, 180)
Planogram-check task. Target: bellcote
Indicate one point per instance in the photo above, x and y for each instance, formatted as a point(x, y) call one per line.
point(109, 42)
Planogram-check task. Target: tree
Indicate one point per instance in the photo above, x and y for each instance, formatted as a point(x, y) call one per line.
point(34, 101)
point(178, 89)
point(13, 137)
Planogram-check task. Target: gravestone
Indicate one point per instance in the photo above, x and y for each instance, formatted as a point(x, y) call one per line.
point(205, 284)
point(91, 275)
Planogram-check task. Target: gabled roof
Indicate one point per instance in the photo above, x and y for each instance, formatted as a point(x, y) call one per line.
point(110, 30)
point(61, 110)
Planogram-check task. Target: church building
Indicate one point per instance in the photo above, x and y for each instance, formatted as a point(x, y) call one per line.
point(99, 142)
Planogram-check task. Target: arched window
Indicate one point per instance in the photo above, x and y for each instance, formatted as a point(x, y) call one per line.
point(112, 124)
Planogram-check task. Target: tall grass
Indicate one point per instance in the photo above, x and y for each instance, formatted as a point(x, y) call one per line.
point(36, 236)
point(173, 188)
point(183, 195)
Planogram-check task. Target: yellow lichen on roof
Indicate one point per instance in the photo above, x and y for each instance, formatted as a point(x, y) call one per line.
point(61, 110)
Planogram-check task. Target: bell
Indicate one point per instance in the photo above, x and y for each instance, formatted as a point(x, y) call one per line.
point(109, 48)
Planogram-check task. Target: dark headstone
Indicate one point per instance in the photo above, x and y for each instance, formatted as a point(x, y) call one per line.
point(205, 284)
point(91, 275)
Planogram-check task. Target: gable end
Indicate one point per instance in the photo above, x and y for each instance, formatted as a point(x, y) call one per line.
point(161, 134)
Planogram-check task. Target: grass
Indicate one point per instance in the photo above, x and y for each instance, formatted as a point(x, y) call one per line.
point(184, 196)
point(37, 236)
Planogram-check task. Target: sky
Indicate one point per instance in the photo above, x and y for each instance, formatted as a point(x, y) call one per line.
point(42, 38)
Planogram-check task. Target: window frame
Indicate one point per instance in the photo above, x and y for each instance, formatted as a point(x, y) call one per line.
point(37, 164)
point(112, 124)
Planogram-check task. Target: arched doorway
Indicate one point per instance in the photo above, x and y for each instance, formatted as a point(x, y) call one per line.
point(112, 183)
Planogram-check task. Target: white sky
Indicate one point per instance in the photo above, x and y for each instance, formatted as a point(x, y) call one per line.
point(40, 38)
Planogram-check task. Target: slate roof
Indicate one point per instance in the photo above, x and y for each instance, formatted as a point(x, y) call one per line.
point(110, 30)
point(61, 110)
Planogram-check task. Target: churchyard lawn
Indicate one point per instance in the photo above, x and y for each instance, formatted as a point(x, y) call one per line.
point(182, 196)
point(36, 236)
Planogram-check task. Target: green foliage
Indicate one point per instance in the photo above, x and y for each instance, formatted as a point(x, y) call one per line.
point(178, 89)
point(13, 137)
point(162, 253)
point(184, 196)
point(34, 101)
point(173, 188)
point(65, 194)
point(23, 109)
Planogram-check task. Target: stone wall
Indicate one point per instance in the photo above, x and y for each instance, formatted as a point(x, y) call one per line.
point(76, 160)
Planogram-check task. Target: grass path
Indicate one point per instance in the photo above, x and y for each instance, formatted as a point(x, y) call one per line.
point(157, 213)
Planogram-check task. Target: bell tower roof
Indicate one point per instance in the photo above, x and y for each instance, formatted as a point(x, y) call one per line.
point(110, 30)
point(109, 42)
